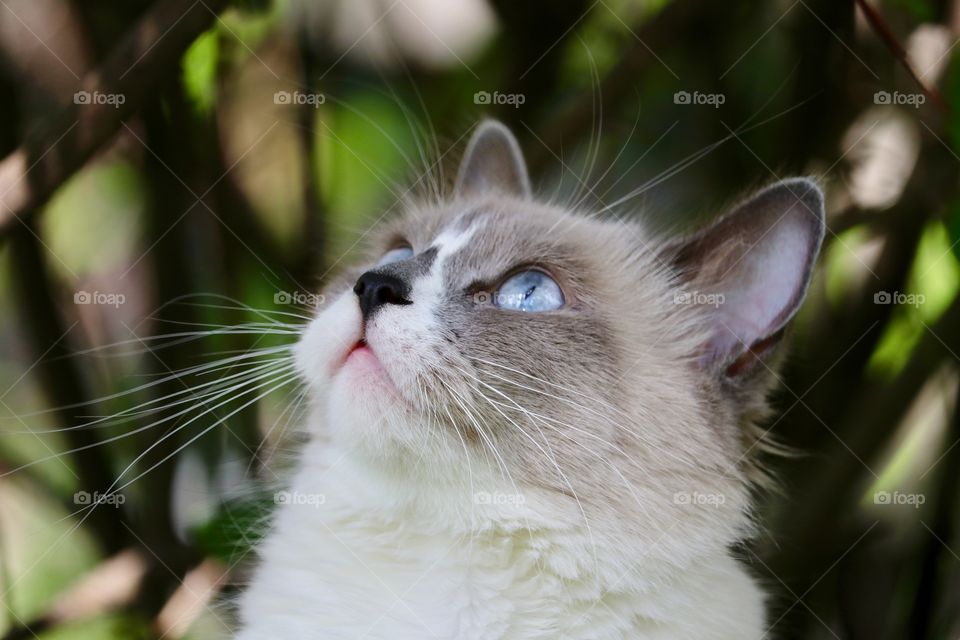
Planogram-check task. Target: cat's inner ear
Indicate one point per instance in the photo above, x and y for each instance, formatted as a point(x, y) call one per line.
point(493, 162)
point(748, 272)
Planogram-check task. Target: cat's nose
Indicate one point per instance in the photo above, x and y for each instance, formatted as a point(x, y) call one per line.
point(377, 288)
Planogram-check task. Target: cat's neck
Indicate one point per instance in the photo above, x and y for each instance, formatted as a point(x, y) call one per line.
point(349, 543)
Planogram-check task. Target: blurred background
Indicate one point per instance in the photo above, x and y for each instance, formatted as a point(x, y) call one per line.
point(180, 177)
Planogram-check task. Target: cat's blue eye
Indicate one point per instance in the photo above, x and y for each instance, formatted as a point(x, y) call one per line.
point(395, 255)
point(529, 291)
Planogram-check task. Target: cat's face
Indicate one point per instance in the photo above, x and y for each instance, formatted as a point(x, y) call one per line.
point(493, 336)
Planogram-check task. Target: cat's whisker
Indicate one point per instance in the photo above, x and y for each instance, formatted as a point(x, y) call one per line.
point(596, 138)
point(295, 403)
point(493, 449)
point(228, 393)
point(159, 404)
point(688, 463)
point(224, 363)
point(295, 415)
point(262, 328)
point(238, 304)
point(113, 489)
point(466, 452)
point(345, 104)
point(147, 344)
point(695, 157)
point(266, 313)
point(546, 422)
point(553, 460)
point(579, 204)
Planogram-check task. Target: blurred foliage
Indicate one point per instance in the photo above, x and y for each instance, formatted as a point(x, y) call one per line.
point(217, 198)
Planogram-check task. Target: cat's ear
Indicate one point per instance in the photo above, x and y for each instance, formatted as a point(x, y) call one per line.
point(493, 162)
point(749, 271)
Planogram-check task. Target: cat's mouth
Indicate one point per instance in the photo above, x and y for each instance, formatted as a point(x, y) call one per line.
point(361, 359)
point(360, 349)
point(359, 344)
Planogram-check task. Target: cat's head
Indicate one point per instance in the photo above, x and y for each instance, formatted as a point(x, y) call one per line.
point(493, 335)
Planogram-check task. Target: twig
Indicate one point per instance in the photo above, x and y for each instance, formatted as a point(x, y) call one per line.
point(61, 145)
point(886, 34)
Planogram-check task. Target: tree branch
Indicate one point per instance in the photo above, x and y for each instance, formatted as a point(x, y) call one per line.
point(885, 33)
point(59, 146)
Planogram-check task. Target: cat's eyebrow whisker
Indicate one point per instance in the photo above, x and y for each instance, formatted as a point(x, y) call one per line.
point(345, 104)
point(596, 138)
point(596, 183)
point(693, 158)
point(221, 394)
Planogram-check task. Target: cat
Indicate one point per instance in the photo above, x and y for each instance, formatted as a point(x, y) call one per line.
point(531, 422)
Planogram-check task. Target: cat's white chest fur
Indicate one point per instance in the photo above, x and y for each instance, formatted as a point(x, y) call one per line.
point(347, 559)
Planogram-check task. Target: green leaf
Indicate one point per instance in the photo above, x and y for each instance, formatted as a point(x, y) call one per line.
point(235, 529)
point(200, 72)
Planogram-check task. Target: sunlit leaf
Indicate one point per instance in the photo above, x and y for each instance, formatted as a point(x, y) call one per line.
point(200, 71)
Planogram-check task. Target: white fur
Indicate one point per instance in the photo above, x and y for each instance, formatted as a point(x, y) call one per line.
point(375, 558)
